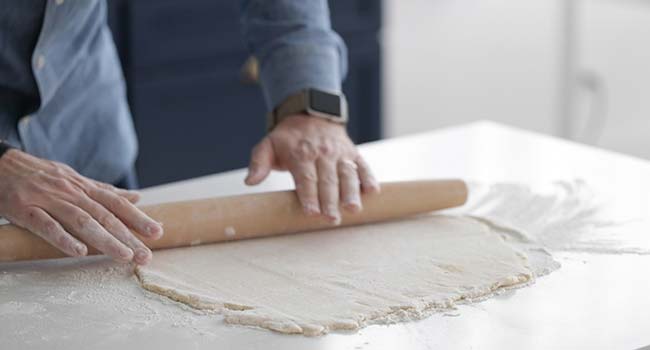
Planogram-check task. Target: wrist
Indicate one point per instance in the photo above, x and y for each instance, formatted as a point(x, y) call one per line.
point(307, 127)
point(324, 105)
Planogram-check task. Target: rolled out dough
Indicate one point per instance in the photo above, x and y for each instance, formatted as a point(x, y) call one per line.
point(341, 279)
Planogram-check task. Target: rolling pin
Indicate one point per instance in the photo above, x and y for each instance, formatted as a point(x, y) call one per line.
point(221, 219)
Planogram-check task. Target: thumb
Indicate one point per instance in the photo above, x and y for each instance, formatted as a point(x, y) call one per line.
point(261, 162)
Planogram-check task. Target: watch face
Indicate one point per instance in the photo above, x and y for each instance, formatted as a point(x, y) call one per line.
point(324, 102)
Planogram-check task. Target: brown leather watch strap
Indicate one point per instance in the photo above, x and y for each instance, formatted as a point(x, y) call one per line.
point(300, 103)
point(294, 104)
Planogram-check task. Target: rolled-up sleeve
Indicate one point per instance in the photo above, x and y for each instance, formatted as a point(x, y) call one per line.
point(295, 45)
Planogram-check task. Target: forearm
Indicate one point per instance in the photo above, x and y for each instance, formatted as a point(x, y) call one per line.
point(295, 45)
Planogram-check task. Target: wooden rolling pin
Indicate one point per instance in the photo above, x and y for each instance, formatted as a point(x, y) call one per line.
point(254, 215)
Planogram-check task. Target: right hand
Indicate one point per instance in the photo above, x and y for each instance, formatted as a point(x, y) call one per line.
point(69, 211)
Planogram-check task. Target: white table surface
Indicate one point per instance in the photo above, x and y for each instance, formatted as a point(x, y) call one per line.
point(594, 301)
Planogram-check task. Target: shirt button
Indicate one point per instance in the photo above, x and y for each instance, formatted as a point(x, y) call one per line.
point(40, 62)
point(59, 2)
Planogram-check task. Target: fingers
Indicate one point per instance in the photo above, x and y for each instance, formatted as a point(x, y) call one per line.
point(132, 196)
point(141, 253)
point(128, 213)
point(324, 162)
point(84, 226)
point(349, 185)
point(305, 177)
point(319, 189)
point(72, 212)
point(368, 182)
point(38, 221)
point(261, 162)
point(83, 182)
point(328, 189)
point(99, 212)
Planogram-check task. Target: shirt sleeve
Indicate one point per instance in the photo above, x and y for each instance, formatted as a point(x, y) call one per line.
point(295, 46)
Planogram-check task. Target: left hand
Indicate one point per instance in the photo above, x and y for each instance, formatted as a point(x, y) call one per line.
point(326, 166)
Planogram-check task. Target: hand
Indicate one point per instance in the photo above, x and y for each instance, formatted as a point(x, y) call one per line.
point(66, 209)
point(324, 163)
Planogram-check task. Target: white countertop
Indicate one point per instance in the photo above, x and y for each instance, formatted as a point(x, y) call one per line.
point(594, 301)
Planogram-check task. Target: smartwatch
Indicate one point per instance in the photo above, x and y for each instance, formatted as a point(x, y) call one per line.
point(331, 106)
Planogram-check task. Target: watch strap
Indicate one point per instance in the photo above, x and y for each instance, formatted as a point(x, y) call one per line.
point(300, 103)
point(294, 104)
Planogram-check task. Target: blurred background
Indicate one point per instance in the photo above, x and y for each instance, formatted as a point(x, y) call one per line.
point(576, 69)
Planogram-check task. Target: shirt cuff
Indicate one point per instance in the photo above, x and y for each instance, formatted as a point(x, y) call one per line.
point(291, 68)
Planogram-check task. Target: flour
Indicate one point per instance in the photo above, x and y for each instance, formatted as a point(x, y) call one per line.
point(36, 295)
point(562, 216)
point(268, 283)
point(13, 308)
point(565, 215)
point(229, 231)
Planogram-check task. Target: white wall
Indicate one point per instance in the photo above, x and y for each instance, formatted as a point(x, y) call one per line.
point(455, 61)
point(615, 48)
point(449, 62)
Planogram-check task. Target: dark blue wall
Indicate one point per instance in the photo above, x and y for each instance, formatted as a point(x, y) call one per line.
point(193, 113)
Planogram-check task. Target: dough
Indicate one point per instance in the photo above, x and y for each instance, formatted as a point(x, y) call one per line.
point(341, 279)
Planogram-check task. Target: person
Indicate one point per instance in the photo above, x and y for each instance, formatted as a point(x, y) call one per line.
point(68, 142)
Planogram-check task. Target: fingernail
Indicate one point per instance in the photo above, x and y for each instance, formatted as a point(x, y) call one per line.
point(353, 205)
point(142, 256)
point(311, 209)
point(251, 174)
point(80, 249)
point(126, 254)
point(154, 229)
point(134, 194)
point(374, 187)
point(333, 214)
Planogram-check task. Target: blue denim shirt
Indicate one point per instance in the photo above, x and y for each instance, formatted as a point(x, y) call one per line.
point(83, 118)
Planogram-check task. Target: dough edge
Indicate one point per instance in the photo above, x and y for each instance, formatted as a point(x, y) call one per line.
point(232, 312)
point(237, 314)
